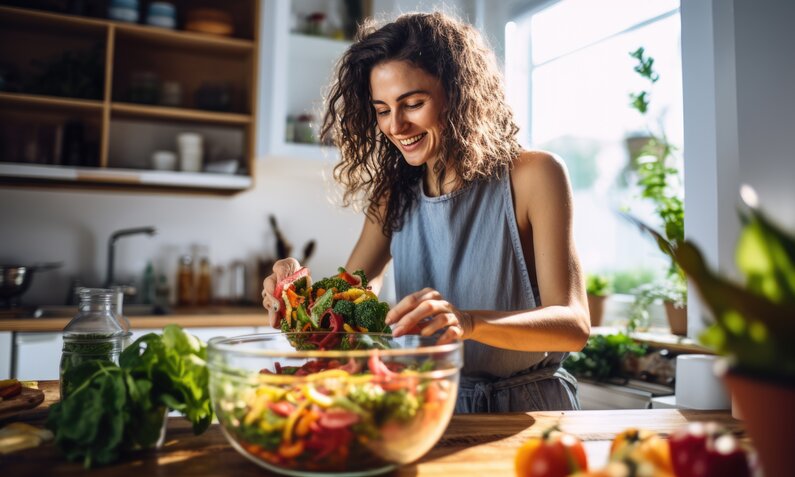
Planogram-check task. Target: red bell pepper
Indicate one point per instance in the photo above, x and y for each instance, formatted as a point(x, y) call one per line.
point(282, 284)
point(707, 450)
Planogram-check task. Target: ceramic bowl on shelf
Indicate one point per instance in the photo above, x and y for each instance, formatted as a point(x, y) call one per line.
point(364, 405)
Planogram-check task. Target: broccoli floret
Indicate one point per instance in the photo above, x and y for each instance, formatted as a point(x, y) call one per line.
point(368, 396)
point(329, 283)
point(399, 405)
point(360, 274)
point(371, 314)
point(345, 309)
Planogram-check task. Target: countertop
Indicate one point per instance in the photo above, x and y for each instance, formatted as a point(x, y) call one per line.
point(56, 318)
point(473, 445)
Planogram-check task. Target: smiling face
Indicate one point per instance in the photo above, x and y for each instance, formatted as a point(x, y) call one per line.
point(408, 105)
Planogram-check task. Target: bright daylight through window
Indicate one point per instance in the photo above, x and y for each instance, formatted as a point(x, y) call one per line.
point(570, 75)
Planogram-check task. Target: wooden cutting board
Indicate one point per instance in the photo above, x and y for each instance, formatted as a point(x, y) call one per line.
point(27, 399)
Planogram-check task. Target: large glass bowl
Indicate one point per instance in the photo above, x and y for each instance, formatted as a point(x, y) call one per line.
point(367, 405)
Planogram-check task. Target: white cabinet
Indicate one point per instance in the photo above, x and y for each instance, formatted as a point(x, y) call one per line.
point(38, 356)
point(296, 69)
point(5, 354)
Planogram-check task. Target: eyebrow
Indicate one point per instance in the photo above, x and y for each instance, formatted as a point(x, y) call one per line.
point(403, 96)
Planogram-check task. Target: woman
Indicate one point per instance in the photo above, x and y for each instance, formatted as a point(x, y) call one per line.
point(479, 231)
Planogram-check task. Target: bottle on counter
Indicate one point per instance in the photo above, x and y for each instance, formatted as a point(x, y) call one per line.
point(95, 333)
point(185, 281)
point(204, 283)
point(162, 295)
point(118, 309)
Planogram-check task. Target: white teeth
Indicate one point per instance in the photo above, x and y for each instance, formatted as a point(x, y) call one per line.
point(411, 140)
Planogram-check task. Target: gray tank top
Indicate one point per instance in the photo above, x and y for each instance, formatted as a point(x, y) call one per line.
point(466, 245)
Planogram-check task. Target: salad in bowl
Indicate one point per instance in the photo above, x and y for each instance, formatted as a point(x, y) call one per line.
point(364, 406)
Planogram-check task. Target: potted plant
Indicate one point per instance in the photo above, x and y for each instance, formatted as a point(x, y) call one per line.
point(753, 328)
point(659, 180)
point(672, 293)
point(597, 286)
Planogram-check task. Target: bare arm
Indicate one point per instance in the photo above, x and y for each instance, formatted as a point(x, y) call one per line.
point(543, 197)
point(371, 253)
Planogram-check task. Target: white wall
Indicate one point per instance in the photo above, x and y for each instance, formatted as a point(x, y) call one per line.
point(765, 39)
point(73, 227)
point(739, 119)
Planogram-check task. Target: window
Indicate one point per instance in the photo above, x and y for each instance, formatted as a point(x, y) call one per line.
point(569, 76)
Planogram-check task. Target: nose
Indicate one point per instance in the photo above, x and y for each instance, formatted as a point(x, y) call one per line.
point(398, 123)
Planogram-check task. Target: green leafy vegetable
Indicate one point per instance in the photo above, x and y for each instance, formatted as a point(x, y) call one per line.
point(360, 274)
point(113, 408)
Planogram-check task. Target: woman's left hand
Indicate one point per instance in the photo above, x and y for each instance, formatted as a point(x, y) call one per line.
point(409, 317)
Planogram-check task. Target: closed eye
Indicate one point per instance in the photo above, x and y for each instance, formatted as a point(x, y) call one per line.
point(382, 113)
point(415, 106)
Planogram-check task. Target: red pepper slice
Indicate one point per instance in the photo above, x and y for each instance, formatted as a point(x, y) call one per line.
point(351, 279)
point(284, 283)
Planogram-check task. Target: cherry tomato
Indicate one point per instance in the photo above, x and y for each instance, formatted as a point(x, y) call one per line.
point(554, 454)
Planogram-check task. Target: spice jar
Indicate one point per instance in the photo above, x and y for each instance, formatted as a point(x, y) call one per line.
point(95, 333)
point(185, 284)
point(204, 283)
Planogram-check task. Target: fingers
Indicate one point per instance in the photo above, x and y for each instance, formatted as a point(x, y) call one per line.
point(409, 303)
point(425, 312)
point(281, 269)
point(451, 334)
point(433, 308)
point(285, 267)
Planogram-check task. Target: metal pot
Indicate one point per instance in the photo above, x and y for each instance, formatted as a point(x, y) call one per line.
point(16, 279)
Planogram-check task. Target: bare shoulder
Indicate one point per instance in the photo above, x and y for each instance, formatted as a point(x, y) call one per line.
point(539, 171)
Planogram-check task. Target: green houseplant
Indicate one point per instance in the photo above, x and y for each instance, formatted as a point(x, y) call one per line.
point(753, 328)
point(597, 287)
point(660, 183)
point(603, 357)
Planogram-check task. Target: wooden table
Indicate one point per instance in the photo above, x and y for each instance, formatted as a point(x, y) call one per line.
point(473, 445)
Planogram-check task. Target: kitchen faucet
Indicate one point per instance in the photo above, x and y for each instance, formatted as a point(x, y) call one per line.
point(112, 246)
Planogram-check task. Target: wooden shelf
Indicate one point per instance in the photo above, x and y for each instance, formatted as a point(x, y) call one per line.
point(199, 180)
point(50, 102)
point(658, 338)
point(163, 37)
point(125, 134)
point(160, 36)
point(163, 112)
point(51, 21)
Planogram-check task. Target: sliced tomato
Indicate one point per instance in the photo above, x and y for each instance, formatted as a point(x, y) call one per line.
point(338, 419)
point(283, 284)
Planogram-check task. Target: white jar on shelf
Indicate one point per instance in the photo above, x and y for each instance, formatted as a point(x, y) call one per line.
point(191, 152)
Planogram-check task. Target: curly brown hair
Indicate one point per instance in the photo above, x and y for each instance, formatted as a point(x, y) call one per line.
point(479, 130)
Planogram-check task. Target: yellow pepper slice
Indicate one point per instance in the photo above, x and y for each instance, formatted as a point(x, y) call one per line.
point(316, 396)
point(287, 435)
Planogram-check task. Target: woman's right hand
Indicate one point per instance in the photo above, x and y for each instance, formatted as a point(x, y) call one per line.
point(281, 269)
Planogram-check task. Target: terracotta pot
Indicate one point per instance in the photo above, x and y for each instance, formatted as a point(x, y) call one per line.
point(596, 308)
point(677, 318)
point(768, 411)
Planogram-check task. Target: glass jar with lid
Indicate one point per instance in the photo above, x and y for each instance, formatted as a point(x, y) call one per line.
point(95, 333)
